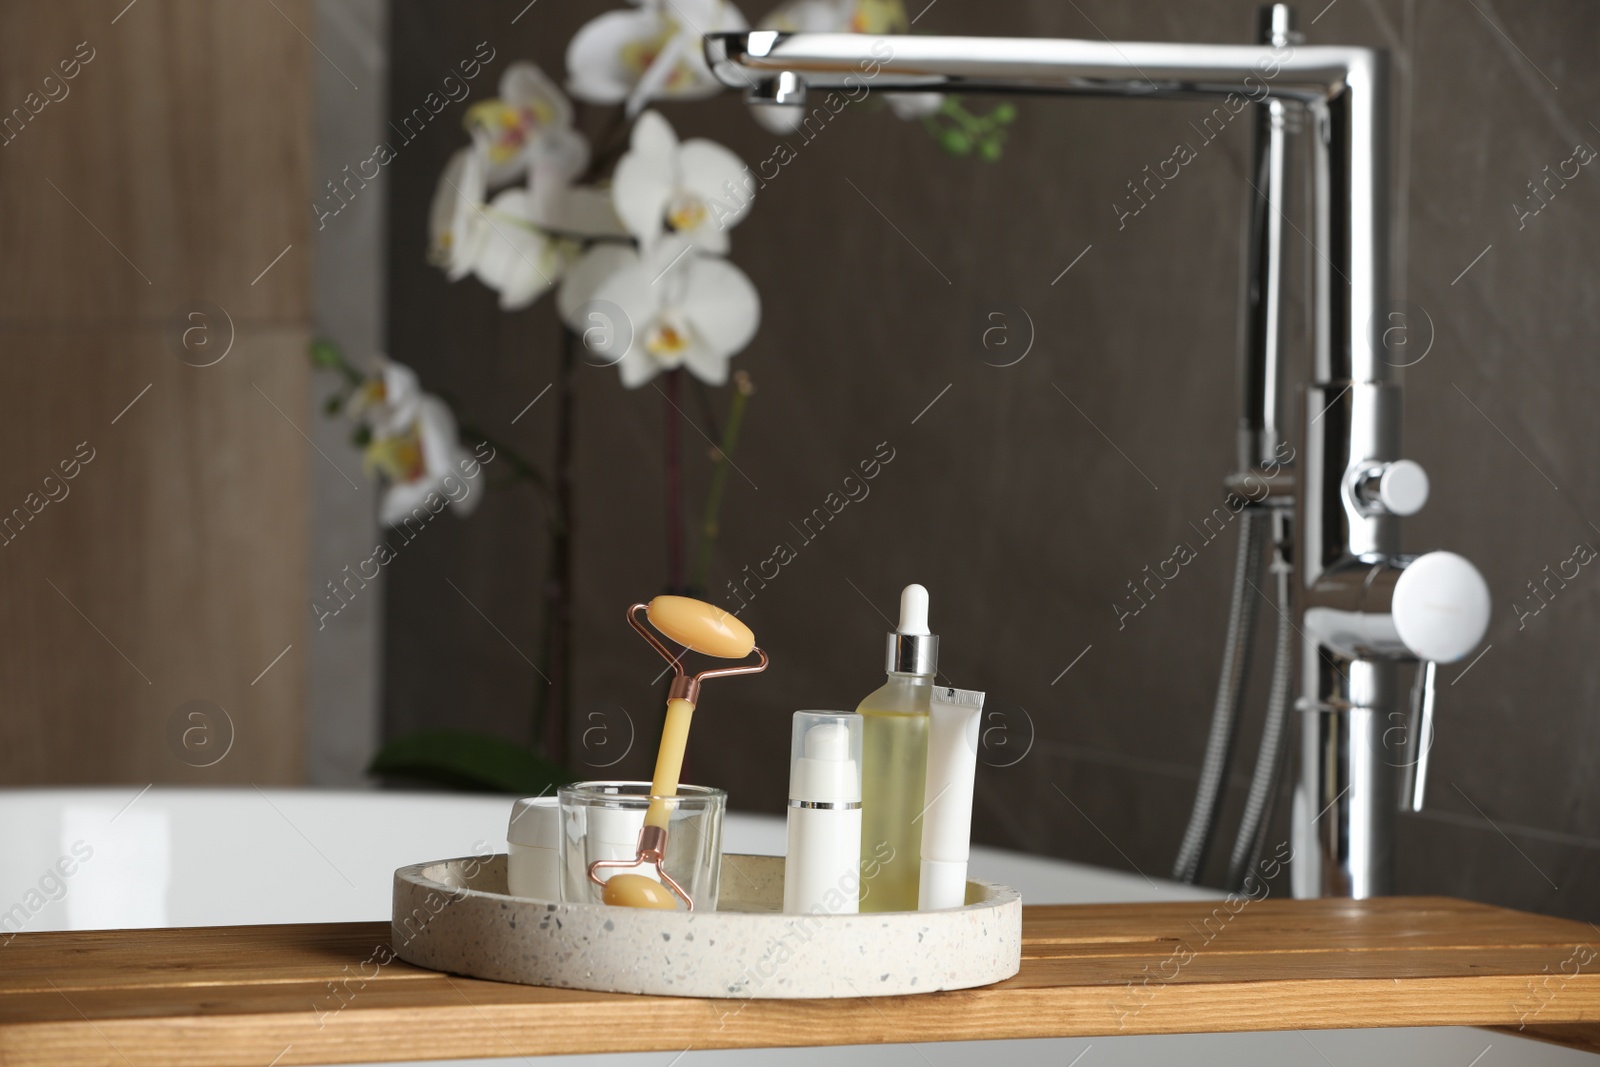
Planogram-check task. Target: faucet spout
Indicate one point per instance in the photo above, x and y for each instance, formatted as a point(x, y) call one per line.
point(1344, 88)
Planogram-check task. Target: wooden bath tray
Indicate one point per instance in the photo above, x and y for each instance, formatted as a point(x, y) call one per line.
point(249, 996)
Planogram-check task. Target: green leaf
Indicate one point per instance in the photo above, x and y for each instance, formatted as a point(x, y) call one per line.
point(328, 355)
point(469, 761)
point(956, 142)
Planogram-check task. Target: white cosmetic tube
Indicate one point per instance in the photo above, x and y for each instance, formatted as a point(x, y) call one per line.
point(822, 872)
point(953, 716)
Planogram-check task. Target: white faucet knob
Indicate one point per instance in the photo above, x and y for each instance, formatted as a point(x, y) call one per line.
point(1397, 488)
point(1441, 607)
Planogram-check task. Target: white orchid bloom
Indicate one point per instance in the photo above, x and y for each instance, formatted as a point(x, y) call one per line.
point(649, 53)
point(569, 210)
point(414, 444)
point(386, 402)
point(681, 309)
point(516, 257)
point(528, 125)
point(507, 243)
point(914, 106)
point(838, 16)
point(455, 223)
point(694, 189)
point(841, 16)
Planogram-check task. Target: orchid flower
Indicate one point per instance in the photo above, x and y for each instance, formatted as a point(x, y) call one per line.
point(455, 230)
point(651, 52)
point(914, 106)
point(838, 16)
point(691, 189)
point(683, 309)
point(841, 16)
point(528, 125)
point(581, 211)
point(413, 443)
point(501, 242)
point(517, 258)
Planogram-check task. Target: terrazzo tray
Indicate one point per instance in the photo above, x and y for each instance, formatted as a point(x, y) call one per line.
point(455, 915)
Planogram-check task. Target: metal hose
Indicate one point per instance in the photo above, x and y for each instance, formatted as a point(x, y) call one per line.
point(1274, 733)
point(1230, 695)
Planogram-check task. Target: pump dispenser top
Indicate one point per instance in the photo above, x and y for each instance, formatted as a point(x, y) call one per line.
point(828, 770)
point(822, 871)
point(912, 649)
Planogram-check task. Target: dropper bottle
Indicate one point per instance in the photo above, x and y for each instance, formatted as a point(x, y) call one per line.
point(894, 757)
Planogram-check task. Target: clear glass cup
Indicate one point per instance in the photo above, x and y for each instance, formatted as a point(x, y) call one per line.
point(601, 821)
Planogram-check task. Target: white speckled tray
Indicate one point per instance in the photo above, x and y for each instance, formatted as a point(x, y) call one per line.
point(454, 915)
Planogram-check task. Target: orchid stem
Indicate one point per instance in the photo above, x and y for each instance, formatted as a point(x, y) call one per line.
point(742, 388)
point(553, 705)
point(703, 396)
point(612, 141)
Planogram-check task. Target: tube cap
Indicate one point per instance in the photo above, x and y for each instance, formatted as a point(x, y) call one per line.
point(943, 885)
point(535, 822)
point(533, 868)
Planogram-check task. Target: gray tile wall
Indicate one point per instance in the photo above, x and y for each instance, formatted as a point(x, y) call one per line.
point(1027, 496)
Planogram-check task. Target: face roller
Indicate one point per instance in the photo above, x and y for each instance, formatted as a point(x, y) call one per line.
point(710, 631)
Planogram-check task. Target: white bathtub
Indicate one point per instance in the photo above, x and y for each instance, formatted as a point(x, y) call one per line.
point(173, 857)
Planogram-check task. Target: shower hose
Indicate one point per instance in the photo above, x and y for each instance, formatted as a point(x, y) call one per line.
point(1247, 847)
point(1236, 654)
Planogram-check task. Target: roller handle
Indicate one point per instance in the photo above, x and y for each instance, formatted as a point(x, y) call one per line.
point(669, 761)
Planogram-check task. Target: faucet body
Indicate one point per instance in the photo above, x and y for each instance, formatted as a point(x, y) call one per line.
point(1346, 531)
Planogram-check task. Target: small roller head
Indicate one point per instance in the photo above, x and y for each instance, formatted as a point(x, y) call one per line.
point(637, 891)
point(700, 627)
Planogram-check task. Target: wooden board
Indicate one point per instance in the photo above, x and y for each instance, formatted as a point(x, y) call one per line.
point(172, 568)
point(330, 993)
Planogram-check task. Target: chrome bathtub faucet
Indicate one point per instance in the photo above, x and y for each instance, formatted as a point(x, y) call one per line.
point(1361, 607)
